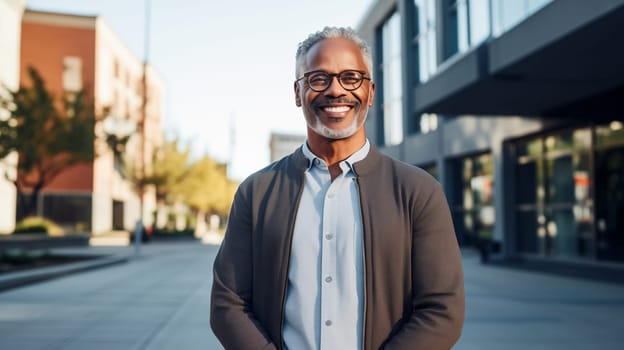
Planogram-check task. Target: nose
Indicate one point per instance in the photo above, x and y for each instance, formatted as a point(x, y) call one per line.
point(334, 89)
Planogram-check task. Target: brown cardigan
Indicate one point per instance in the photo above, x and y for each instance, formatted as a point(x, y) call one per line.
point(414, 287)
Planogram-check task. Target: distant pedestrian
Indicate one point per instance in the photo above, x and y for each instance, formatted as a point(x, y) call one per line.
point(337, 246)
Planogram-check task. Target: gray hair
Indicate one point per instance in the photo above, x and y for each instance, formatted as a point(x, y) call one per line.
point(333, 32)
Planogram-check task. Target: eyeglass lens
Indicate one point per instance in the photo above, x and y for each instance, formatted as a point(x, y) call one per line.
point(349, 80)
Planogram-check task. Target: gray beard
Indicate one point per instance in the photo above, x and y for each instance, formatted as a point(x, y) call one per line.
point(323, 130)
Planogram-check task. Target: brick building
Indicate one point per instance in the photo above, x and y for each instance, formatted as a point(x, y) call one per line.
point(75, 52)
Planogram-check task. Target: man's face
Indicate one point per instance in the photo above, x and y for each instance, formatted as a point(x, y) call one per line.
point(335, 113)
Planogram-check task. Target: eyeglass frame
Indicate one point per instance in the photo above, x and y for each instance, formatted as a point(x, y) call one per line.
point(332, 76)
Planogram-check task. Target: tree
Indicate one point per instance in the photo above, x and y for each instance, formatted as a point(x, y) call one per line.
point(48, 135)
point(202, 184)
point(170, 167)
point(207, 188)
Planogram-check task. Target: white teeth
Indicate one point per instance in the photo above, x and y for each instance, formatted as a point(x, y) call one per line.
point(338, 109)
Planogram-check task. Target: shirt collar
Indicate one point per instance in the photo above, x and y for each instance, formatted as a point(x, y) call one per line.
point(352, 159)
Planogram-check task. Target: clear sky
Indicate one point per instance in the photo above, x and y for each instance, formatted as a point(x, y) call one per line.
point(228, 65)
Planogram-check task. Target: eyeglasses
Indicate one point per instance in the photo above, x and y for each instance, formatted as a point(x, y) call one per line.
point(320, 80)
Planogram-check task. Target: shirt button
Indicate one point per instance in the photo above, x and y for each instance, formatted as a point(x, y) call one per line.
point(328, 323)
point(328, 279)
point(329, 236)
point(331, 195)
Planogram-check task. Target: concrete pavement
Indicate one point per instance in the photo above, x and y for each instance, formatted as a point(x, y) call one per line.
point(156, 301)
point(161, 301)
point(511, 309)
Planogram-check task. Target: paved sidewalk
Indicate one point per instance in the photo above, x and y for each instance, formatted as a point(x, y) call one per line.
point(511, 309)
point(160, 300)
point(98, 257)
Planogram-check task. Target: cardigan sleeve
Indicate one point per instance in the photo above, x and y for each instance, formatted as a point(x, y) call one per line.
point(231, 316)
point(437, 281)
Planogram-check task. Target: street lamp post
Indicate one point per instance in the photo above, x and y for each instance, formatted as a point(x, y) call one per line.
point(118, 131)
point(138, 232)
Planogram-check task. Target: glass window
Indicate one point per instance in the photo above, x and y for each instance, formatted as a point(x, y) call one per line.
point(533, 6)
point(428, 122)
point(561, 176)
point(609, 189)
point(527, 227)
point(479, 21)
point(463, 32)
point(610, 134)
point(507, 14)
point(473, 207)
point(530, 149)
point(553, 185)
point(68, 209)
point(561, 142)
point(467, 23)
point(72, 73)
point(392, 80)
point(425, 39)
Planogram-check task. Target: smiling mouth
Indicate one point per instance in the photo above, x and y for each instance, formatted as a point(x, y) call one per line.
point(336, 109)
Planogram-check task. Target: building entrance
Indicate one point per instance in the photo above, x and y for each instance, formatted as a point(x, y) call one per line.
point(570, 193)
point(554, 209)
point(610, 204)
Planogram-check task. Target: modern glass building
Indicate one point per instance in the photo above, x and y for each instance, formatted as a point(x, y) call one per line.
point(516, 107)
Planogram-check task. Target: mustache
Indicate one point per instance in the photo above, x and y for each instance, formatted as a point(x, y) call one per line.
point(342, 99)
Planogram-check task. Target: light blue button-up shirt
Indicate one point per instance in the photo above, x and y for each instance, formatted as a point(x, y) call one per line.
point(325, 298)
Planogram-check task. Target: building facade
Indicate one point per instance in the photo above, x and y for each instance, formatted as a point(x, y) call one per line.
point(75, 52)
point(10, 27)
point(515, 106)
point(281, 144)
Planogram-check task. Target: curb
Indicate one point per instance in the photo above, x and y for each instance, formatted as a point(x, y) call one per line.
point(22, 278)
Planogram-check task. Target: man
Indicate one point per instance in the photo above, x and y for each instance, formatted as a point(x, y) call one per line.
point(337, 246)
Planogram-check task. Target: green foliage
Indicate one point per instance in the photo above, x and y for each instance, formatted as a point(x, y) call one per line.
point(207, 188)
point(202, 185)
point(36, 224)
point(170, 167)
point(48, 136)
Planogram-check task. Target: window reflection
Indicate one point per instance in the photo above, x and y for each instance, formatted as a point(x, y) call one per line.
point(474, 207)
point(610, 134)
point(465, 24)
point(472, 22)
point(428, 122)
point(556, 169)
point(479, 21)
point(392, 80)
point(609, 159)
point(425, 38)
point(506, 14)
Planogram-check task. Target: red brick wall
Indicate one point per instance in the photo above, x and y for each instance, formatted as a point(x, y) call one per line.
point(44, 46)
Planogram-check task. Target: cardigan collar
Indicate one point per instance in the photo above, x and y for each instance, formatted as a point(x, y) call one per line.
point(362, 168)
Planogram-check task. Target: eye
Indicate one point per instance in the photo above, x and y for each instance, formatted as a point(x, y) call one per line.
point(318, 79)
point(350, 77)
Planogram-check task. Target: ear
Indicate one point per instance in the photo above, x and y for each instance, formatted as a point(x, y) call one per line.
point(297, 96)
point(371, 94)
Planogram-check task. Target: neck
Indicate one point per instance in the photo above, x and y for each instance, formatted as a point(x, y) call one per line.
point(334, 151)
